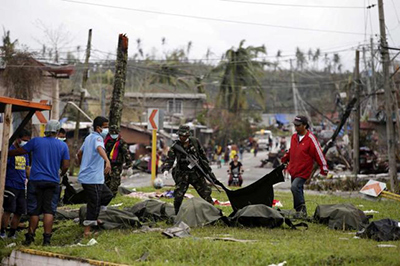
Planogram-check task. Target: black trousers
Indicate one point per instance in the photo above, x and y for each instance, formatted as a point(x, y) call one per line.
point(97, 195)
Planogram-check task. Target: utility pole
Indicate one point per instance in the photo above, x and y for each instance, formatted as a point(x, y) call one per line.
point(119, 82)
point(294, 90)
point(82, 98)
point(373, 85)
point(55, 108)
point(394, 187)
point(368, 108)
point(356, 123)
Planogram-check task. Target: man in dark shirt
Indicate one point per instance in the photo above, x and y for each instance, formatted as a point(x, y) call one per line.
point(235, 168)
point(14, 193)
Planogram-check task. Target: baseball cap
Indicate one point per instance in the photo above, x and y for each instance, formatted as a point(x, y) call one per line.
point(300, 120)
point(52, 126)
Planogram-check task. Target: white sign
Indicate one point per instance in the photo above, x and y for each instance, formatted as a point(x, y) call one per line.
point(153, 119)
point(373, 188)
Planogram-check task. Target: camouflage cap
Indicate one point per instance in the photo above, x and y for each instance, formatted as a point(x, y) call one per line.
point(184, 130)
point(114, 129)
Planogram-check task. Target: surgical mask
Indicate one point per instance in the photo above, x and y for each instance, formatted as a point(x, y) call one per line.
point(104, 132)
point(62, 139)
point(22, 144)
point(114, 136)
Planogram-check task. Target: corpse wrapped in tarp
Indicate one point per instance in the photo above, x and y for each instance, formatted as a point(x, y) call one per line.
point(382, 230)
point(113, 218)
point(344, 216)
point(259, 192)
point(153, 210)
point(196, 212)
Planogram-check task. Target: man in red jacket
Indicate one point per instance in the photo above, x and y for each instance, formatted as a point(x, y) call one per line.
point(304, 151)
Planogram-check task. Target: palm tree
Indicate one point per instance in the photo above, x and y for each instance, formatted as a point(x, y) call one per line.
point(300, 59)
point(316, 56)
point(336, 62)
point(240, 73)
point(8, 48)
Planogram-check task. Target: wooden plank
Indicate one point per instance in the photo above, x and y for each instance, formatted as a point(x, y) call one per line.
point(4, 153)
point(25, 104)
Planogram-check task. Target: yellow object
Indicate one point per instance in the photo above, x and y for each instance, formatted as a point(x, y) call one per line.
point(67, 257)
point(390, 195)
point(233, 153)
point(153, 156)
point(42, 127)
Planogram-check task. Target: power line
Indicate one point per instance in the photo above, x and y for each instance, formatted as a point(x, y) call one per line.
point(293, 5)
point(212, 19)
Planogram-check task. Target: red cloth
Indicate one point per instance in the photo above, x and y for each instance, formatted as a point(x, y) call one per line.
point(115, 150)
point(302, 155)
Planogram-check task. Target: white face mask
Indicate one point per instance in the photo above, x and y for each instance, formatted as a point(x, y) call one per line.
point(104, 132)
point(22, 144)
point(114, 136)
point(62, 139)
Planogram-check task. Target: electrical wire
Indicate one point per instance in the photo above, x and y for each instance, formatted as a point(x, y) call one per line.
point(212, 19)
point(293, 5)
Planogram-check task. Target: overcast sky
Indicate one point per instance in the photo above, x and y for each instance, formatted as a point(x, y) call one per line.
point(213, 24)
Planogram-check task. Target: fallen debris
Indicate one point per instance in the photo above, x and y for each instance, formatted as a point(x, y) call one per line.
point(181, 230)
point(230, 239)
point(386, 246)
point(279, 264)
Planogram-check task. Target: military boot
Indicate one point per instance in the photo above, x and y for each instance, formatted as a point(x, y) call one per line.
point(29, 239)
point(46, 239)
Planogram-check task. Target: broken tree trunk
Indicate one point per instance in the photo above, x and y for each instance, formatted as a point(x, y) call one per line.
point(119, 82)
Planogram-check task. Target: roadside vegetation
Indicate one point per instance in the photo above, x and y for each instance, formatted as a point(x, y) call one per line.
point(318, 245)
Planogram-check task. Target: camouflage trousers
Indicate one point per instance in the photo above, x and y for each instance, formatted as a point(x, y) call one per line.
point(113, 179)
point(182, 182)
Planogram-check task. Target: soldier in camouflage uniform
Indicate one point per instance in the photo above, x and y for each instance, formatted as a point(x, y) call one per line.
point(183, 173)
point(118, 152)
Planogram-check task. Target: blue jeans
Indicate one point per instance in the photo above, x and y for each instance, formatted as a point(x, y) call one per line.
point(298, 193)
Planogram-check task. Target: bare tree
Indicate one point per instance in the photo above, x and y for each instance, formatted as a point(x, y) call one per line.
point(57, 38)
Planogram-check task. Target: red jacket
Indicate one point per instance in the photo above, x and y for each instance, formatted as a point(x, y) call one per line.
point(301, 156)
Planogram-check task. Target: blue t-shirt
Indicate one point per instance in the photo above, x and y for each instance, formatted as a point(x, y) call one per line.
point(47, 155)
point(16, 170)
point(92, 165)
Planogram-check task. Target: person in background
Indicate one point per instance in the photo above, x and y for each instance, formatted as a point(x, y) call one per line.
point(92, 156)
point(118, 153)
point(62, 135)
point(48, 155)
point(241, 151)
point(14, 192)
point(304, 151)
point(235, 167)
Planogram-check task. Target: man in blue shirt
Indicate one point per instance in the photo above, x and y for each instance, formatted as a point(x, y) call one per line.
point(14, 193)
point(48, 155)
point(92, 156)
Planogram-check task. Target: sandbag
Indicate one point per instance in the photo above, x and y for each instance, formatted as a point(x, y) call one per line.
point(343, 216)
point(197, 212)
point(382, 230)
point(113, 218)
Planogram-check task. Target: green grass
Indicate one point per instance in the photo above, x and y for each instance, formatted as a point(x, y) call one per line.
point(318, 245)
